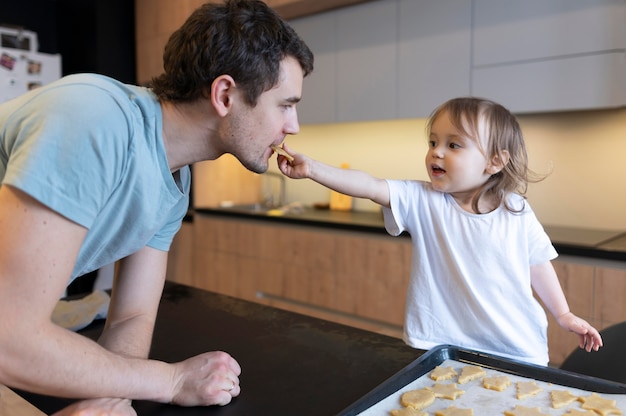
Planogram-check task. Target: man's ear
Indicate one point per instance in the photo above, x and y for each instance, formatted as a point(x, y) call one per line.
point(222, 94)
point(498, 162)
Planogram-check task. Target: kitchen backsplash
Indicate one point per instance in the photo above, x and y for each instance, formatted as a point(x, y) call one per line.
point(583, 152)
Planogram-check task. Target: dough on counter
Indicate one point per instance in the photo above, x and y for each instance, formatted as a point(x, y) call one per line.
point(470, 373)
point(527, 389)
point(417, 399)
point(454, 411)
point(600, 405)
point(408, 411)
point(498, 383)
point(561, 398)
point(575, 412)
point(446, 391)
point(524, 411)
point(441, 373)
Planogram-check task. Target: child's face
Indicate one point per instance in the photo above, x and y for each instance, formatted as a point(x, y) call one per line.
point(455, 164)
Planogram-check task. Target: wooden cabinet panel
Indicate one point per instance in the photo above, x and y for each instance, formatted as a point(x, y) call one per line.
point(577, 282)
point(372, 277)
point(354, 278)
point(610, 292)
point(180, 258)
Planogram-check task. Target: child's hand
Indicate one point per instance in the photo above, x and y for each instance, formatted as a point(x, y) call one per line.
point(589, 337)
point(299, 168)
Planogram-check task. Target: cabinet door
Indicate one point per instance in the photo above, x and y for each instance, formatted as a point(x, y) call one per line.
point(433, 54)
point(366, 61)
point(514, 31)
point(319, 90)
point(558, 55)
point(565, 84)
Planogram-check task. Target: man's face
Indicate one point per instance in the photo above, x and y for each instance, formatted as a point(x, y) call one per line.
point(252, 130)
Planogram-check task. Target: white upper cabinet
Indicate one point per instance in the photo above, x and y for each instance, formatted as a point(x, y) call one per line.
point(366, 61)
point(319, 90)
point(550, 55)
point(385, 59)
point(401, 58)
point(434, 54)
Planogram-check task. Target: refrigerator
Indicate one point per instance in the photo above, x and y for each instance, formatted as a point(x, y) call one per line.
point(22, 67)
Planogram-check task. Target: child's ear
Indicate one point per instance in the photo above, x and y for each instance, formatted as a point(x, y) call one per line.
point(498, 162)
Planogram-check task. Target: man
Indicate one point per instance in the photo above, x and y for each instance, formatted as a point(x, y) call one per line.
point(93, 171)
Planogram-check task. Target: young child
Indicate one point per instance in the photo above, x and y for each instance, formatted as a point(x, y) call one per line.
point(478, 249)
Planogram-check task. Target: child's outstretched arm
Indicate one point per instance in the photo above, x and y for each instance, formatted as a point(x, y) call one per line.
point(546, 284)
point(346, 181)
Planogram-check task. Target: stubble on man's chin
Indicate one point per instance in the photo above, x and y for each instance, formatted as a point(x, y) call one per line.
point(256, 166)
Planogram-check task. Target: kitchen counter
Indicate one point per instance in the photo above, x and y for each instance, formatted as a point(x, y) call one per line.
point(584, 242)
point(292, 364)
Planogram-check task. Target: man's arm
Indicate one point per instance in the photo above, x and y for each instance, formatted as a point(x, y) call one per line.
point(38, 249)
point(134, 303)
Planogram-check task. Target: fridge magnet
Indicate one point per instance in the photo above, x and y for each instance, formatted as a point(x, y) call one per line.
point(34, 67)
point(7, 61)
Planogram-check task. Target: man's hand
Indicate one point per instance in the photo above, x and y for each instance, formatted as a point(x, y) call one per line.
point(99, 407)
point(207, 379)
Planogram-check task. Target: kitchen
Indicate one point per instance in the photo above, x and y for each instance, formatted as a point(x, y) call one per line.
point(559, 134)
point(558, 141)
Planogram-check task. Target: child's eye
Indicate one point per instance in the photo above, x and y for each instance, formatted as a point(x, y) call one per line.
point(431, 143)
point(455, 146)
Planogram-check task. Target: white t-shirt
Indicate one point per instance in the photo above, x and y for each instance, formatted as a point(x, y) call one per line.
point(470, 273)
point(91, 149)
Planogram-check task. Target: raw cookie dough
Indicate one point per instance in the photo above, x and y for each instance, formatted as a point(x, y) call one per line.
point(408, 411)
point(470, 373)
point(561, 398)
point(446, 391)
point(441, 373)
point(599, 405)
point(527, 389)
point(454, 411)
point(524, 411)
point(498, 383)
point(417, 399)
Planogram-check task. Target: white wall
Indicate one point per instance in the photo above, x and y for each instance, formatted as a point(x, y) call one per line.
point(586, 152)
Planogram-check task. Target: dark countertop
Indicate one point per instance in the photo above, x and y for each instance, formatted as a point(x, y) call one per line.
point(584, 242)
point(292, 364)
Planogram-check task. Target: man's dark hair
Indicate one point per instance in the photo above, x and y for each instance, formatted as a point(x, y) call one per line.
point(242, 38)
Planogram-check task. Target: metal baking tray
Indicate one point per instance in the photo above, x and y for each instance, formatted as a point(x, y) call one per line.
point(438, 355)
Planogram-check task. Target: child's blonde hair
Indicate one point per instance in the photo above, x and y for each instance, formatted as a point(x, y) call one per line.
point(474, 117)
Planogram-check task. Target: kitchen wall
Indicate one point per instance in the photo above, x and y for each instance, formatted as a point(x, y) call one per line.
point(584, 152)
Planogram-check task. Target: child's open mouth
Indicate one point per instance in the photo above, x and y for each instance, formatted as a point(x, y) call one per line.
point(436, 170)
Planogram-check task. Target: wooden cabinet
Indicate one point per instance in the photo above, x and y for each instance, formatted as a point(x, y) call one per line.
point(354, 278)
point(179, 262)
point(544, 56)
point(595, 291)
